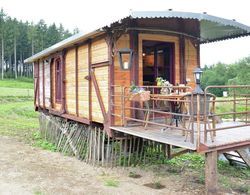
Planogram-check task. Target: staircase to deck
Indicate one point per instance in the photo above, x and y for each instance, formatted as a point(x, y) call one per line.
point(240, 157)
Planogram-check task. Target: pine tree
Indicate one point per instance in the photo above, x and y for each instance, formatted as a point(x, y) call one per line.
point(19, 40)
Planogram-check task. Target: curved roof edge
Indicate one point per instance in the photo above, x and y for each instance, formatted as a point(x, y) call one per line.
point(239, 30)
point(188, 15)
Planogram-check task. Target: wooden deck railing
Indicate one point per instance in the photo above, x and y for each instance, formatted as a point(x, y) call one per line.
point(190, 115)
point(127, 111)
point(239, 95)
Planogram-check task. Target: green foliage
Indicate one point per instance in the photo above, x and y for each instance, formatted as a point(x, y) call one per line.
point(223, 74)
point(17, 115)
point(194, 161)
point(18, 119)
point(197, 162)
point(22, 82)
point(111, 183)
point(40, 142)
point(226, 107)
point(26, 38)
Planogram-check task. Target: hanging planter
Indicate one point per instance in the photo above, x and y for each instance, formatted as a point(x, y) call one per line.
point(138, 94)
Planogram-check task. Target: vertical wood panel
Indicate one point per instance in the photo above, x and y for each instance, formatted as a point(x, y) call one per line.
point(191, 57)
point(121, 77)
point(83, 85)
point(63, 86)
point(111, 78)
point(55, 105)
point(41, 83)
point(36, 82)
point(47, 81)
point(133, 37)
point(43, 66)
point(182, 59)
point(99, 51)
point(89, 79)
point(76, 80)
point(70, 81)
point(101, 75)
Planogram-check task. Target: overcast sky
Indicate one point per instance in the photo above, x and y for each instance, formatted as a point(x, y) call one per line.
point(89, 15)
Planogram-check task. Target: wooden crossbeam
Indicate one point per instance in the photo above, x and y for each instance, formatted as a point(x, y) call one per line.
point(99, 97)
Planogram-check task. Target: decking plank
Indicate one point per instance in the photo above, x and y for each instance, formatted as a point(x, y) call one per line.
point(174, 137)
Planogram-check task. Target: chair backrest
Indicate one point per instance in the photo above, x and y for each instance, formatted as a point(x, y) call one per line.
point(193, 98)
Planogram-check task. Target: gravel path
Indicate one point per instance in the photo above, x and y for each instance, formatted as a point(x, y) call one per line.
point(28, 170)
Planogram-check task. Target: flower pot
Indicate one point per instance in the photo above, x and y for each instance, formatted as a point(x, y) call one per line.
point(140, 96)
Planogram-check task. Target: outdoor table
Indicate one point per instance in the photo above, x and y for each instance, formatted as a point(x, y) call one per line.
point(173, 98)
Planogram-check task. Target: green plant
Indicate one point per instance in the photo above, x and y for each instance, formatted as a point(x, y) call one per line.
point(40, 142)
point(38, 193)
point(21, 83)
point(111, 183)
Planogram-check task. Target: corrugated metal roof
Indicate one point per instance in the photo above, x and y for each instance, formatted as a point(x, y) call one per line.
point(212, 28)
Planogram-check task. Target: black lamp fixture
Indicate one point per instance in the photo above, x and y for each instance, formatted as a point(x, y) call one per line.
point(125, 58)
point(197, 76)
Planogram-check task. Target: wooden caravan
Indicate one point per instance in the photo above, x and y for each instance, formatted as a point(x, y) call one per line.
point(88, 78)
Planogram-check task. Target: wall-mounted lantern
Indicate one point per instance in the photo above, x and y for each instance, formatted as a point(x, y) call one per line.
point(197, 76)
point(125, 58)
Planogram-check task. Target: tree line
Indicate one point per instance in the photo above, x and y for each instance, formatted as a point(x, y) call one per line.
point(237, 73)
point(19, 40)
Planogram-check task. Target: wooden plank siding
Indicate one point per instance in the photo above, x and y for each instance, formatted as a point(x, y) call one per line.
point(121, 77)
point(101, 75)
point(36, 81)
point(70, 92)
point(95, 56)
point(83, 87)
point(99, 53)
point(47, 84)
point(191, 60)
point(55, 105)
point(41, 83)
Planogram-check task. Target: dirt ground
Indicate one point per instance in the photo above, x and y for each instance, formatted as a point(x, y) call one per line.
point(28, 170)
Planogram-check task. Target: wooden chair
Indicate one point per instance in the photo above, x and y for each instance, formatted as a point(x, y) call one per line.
point(191, 111)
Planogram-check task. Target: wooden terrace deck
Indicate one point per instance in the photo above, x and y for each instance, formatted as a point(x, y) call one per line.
point(175, 137)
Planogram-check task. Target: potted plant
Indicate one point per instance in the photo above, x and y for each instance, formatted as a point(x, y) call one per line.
point(138, 94)
point(166, 85)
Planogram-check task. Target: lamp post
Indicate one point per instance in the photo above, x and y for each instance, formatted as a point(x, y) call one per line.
point(125, 56)
point(197, 76)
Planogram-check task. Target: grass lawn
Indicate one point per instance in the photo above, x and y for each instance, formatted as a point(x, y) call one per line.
point(17, 92)
point(18, 119)
point(226, 107)
point(17, 115)
point(24, 83)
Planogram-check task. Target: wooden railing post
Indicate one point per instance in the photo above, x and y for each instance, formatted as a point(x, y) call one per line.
point(246, 109)
point(198, 121)
point(234, 106)
point(123, 106)
point(192, 118)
